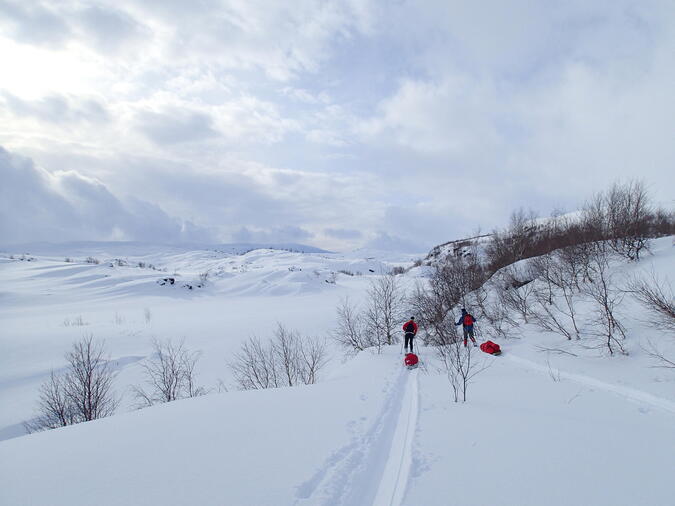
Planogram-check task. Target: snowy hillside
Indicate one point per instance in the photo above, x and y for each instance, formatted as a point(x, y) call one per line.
point(571, 426)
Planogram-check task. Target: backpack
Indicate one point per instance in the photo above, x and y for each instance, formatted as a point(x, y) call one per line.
point(468, 320)
point(410, 328)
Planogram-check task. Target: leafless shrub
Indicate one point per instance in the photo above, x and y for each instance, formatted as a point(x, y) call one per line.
point(659, 357)
point(169, 373)
point(82, 393)
point(433, 314)
point(55, 409)
point(460, 366)
point(517, 291)
point(88, 383)
point(384, 309)
point(549, 316)
point(622, 215)
point(92, 260)
point(628, 214)
point(496, 320)
point(346, 272)
point(286, 360)
point(554, 374)
point(397, 270)
point(560, 275)
point(68, 260)
point(118, 319)
point(452, 282)
point(657, 298)
point(607, 297)
point(350, 331)
point(76, 321)
point(514, 243)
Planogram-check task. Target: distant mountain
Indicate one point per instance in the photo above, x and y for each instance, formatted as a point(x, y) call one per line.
point(140, 248)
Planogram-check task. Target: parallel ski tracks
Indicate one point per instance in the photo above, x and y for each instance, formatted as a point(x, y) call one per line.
point(375, 467)
point(393, 484)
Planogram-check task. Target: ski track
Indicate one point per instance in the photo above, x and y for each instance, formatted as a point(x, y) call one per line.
point(374, 468)
point(397, 469)
point(631, 394)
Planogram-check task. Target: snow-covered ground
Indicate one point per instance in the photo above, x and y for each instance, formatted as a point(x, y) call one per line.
point(538, 428)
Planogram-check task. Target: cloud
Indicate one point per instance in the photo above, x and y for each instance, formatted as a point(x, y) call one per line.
point(36, 205)
point(333, 117)
point(111, 30)
point(343, 233)
point(34, 23)
point(176, 126)
point(386, 242)
point(274, 235)
point(58, 108)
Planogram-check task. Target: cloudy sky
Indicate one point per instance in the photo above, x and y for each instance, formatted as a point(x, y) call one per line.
point(339, 124)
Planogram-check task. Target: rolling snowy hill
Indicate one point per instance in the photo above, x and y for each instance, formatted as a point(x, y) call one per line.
point(555, 428)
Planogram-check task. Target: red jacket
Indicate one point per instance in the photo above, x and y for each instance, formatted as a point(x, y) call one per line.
point(414, 326)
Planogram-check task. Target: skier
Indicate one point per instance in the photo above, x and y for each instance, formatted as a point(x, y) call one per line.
point(467, 320)
point(410, 329)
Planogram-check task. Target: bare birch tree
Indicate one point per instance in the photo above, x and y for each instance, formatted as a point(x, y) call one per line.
point(83, 392)
point(461, 366)
point(288, 359)
point(170, 374)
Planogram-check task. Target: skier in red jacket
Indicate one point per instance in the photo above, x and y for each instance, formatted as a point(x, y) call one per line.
point(466, 321)
point(410, 329)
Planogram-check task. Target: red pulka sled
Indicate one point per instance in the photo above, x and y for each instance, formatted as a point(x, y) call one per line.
point(411, 360)
point(491, 348)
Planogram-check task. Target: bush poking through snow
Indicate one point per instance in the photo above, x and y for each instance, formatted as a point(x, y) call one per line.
point(170, 374)
point(603, 291)
point(461, 364)
point(657, 298)
point(118, 319)
point(384, 310)
point(77, 321)
point(288, 359)
point(82, 393)
point(350, 332)
point(377, 324)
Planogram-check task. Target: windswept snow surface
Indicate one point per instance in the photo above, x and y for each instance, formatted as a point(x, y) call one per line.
point(47, 303)
point(538, 427)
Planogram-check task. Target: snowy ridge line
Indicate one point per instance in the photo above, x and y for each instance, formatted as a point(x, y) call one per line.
point(631, 394)
point(391, 491)
point(352, 475)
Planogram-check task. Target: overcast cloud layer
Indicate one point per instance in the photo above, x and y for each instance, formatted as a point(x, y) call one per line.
point(338, 124)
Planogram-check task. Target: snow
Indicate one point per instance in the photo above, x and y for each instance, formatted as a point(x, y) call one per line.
point(538, 427)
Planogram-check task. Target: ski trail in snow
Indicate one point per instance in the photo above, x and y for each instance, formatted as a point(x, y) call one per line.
point(397, 468)
point(373, 468)
point(625, 392)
